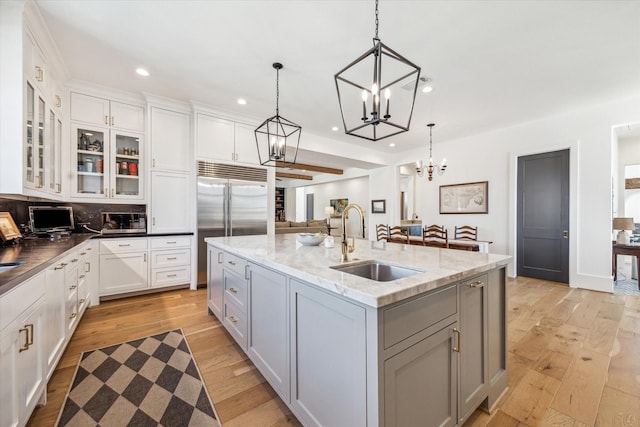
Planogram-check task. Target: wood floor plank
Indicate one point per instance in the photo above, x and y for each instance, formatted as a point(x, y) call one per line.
point(618, 409)
point(554, 418)
point(602, 335)
point(581, 388)
point(531, 397)
point(553, 364)
point(624, 369)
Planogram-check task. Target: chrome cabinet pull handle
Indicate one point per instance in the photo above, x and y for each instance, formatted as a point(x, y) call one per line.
point(171, 243)
point(247, 272)
point(73, 315)
point(232, 263)
point(72, 287)
point(171, 258)
point(74, 260)
point(219, 257)
point(457, 332)
point(106, 120)
point(476, 284)
point(233, 319)
point(124, 244)
point(233, 290)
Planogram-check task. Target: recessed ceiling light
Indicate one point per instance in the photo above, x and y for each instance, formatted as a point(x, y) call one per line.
point(142, 72)
point(335, 128)
point(427, 89)
point(242, 101)
point(392, 144)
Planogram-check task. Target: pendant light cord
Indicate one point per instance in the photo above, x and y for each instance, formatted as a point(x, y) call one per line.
point(277, 91)
point(377, 22)
point(430, 155)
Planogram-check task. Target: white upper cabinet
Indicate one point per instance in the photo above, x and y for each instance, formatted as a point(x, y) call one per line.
point(35, 64)
point(103, 112)
point(219, 139)
point(170, 140)
point(245, 144)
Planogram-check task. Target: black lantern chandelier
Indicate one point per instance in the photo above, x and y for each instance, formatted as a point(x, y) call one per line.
point(431, 167)
point(277, 139)
point(361, 84)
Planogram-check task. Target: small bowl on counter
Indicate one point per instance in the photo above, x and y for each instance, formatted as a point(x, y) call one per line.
point(310, 239)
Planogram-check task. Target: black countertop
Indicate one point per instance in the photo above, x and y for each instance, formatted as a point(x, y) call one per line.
point(37, 254)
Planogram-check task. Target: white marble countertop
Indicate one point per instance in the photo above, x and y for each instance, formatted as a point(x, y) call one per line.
point(311, 264)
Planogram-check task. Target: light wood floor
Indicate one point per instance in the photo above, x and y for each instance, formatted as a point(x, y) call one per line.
point(574, 358)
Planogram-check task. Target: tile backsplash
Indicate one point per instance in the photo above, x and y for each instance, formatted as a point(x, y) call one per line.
point(88, 213)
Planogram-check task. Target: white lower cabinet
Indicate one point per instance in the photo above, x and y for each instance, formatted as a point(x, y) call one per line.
point(328, 359)
point(123, 265)
point(141, 263)
point(170, 260)
point(37, 319)
point(268, 326)
point(22, 348)
point(215, 289)
point(55, 314)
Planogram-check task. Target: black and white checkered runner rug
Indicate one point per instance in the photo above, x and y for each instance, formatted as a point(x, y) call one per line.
point(150, 381)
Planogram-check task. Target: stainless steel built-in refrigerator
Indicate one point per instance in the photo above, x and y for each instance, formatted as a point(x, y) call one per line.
point(232, 201)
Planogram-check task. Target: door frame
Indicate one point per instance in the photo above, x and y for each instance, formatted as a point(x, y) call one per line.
point(512, 244)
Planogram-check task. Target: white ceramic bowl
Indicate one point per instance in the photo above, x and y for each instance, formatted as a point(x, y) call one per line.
point(310, 239)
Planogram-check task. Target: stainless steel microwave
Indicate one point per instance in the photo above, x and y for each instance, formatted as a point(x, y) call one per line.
point(123, 223)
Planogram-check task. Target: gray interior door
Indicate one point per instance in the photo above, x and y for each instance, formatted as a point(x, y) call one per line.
point(309, 206)
point(543, 216)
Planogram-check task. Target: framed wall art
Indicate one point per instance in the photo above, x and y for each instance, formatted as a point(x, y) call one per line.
point(469, 198)
point(378, 206)
point(8, 229)
point(338, 206)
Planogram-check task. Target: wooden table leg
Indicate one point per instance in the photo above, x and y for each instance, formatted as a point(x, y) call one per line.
point(614, 262)
point(638, 270)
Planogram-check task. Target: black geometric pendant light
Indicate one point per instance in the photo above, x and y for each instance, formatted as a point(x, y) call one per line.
point(377, 73)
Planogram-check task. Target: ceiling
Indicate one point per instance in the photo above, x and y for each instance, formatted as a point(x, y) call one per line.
point(493, 64)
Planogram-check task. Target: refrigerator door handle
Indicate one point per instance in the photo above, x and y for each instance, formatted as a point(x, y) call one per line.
point(225, 209)
point(229, 210)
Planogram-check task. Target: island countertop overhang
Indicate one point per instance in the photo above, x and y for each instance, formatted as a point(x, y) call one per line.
point(312, 264)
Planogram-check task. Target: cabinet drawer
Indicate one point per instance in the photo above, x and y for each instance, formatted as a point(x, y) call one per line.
point(161, 259)
point(235, 321)
point(123, 245)
point(20, 298)
point(170, 242)
point(235, 289)
point(407, 319)
point(234, 263)
point(170, 276)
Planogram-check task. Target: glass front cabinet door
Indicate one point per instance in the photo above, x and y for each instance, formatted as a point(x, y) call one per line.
point(34, 134)
point(107, 163)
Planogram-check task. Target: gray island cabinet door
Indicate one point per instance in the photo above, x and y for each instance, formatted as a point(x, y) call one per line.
point(269, 326)
point(420, 383)
point(214, 280)
point(328, 359)
point(474, 365)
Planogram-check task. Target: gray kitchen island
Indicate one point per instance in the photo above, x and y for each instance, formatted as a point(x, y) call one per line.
point(420, 340)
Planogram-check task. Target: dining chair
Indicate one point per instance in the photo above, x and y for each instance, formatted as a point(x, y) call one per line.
point(466, 232)
point(398, 235)
point(435, 235)
point(382, 231)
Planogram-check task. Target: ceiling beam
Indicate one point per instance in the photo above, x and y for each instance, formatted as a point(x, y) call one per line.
point(293, 176)
point(312, 168)
point(632, 183)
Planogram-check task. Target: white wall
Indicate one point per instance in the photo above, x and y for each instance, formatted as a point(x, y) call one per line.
point(354, 189)
point(492, 157)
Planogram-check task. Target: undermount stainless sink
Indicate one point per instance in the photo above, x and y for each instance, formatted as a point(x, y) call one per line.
point(377, 270)
point(5, 266)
